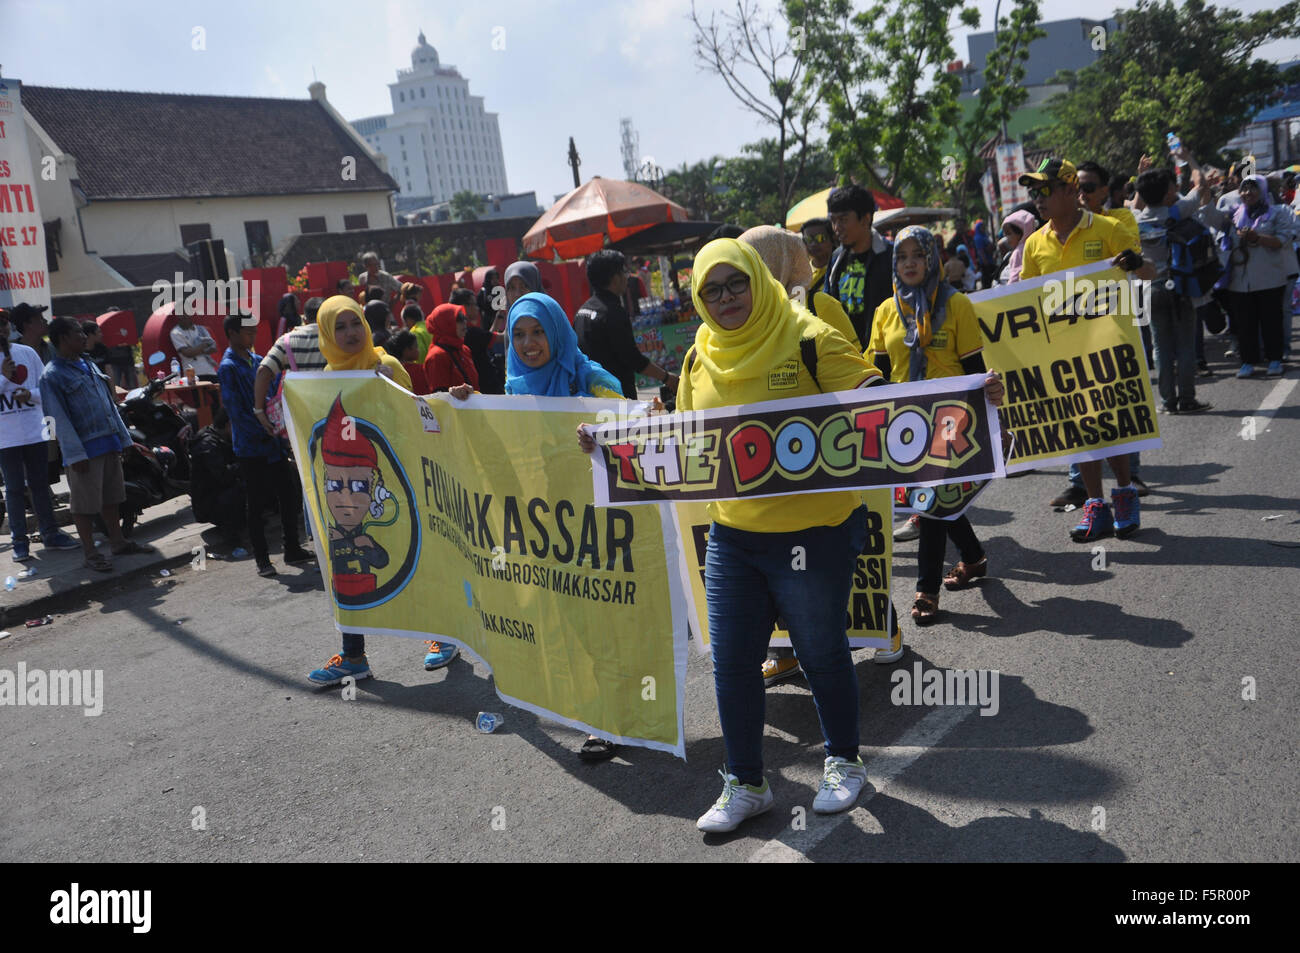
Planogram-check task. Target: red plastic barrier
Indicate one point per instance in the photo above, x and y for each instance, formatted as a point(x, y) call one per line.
point(501, 253)
point(118, 328)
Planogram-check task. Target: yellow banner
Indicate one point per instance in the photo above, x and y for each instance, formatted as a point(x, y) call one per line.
point(869, 610)
point(1069, 347)
point(473, 522)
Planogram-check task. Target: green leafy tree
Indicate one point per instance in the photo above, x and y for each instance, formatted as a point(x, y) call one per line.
point(762, 65)
point(466, 206)
point(753, 195)
point(1190, 69)
point(881, 73)
point(696, 188)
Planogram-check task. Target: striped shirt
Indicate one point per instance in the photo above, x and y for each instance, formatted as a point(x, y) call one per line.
point(304, 341)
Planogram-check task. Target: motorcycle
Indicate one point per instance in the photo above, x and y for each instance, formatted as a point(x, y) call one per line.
point(156, 467)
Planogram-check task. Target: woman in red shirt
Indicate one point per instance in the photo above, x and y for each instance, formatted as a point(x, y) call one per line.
point(449, 361)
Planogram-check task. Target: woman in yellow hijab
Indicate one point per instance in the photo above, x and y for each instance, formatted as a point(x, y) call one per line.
point(346, 342)
point(749, 350)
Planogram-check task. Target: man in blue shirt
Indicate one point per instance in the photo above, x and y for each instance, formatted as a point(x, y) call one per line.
point(263, 459)
point(91, 437)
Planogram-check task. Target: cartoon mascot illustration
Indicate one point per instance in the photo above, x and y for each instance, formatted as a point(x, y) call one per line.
point(356, 497)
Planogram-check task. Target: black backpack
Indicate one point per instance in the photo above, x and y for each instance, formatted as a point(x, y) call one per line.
point(1194, 264)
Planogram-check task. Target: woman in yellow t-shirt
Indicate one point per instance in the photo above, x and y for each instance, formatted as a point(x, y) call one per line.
point(791, 556)
point(928, 330)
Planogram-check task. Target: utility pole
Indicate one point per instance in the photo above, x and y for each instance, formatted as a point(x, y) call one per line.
point(574, 162)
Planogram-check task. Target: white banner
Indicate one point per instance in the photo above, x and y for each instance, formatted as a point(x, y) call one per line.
point(991, 201)
point(23, 270)
point(1011, 166)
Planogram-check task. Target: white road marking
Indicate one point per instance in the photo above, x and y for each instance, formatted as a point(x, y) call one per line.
point(793, 846)
point(1273, 401)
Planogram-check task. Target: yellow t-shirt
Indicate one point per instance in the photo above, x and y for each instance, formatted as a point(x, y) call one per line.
point(958, 338)
point(1128, 227)
point(1096, 238)
point(832, 312)
point(839, 367)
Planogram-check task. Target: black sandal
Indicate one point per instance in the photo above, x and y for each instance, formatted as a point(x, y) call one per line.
point(597, 749)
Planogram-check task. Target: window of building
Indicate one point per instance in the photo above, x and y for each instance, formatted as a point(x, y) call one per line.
point(401, 96)
point(311, 224)
point(403, 155)
point(258, 235)
point(401, 140)
point(195, 233)
point(354, 222)
point(421, 92)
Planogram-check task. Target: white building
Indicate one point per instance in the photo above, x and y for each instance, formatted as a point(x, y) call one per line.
point(136, 177)
point(438, 139)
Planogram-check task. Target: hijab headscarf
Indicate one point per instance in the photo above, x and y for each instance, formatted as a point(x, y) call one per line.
point(528, 273)
point(1243, 217)
point(1027, 225)
point(365, 359)
point(770, 334)
point(784, 254)
point(567, 367)
point(922, 307)
point(983, 244)
point(441, 325)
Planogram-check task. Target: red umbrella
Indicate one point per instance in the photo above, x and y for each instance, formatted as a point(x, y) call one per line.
point(595, 214)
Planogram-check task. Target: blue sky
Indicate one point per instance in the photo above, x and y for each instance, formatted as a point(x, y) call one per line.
point(569, 67)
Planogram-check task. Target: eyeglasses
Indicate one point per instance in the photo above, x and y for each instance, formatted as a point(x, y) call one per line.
point(735, 285)
point(1042, 191)
point(353, 486)
point(811, 240)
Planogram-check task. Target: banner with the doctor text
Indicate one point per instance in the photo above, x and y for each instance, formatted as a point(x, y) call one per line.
point(473, 522)
point(1069, 348)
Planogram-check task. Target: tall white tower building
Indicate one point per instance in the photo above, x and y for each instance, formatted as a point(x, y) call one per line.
point(438, 140)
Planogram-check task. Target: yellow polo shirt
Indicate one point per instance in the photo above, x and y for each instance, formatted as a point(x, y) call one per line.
point(1128, 226)
point(958, 338)
point(1096, 238)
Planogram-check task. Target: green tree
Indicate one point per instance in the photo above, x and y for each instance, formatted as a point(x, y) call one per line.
point(763, 67)
point(882, 75)
point(695, 188)
point(466, 206)
point(1190, 69)
point(753, 195)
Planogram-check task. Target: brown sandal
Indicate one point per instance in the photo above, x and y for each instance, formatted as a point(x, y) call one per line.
point(925, 609)
point(960, 576)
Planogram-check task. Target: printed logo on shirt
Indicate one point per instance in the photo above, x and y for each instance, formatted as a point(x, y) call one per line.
point(939, 340)
point(785, 377)
point(853, 288)
point(1092, 249)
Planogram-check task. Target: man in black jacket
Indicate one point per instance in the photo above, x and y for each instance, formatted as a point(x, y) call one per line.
point(604, 329)
point(861, 273)
point(216, 490)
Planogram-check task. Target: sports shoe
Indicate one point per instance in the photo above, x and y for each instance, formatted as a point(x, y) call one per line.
point(266, 570)
point(1141, 487)
point(440, 654)
point(1073, 496)
point(1246, 370)
point(908, 530)
point(894, 652)
point(22, 550)
point(1097, 522)
point(779, 669)
point(1274, 368)
point(1192, 406)
point(842, 782)
point(739, 802)
point(338, 668)
point(60, 540)
point(298, 555)
point(1128, 512)
point(1168, 407)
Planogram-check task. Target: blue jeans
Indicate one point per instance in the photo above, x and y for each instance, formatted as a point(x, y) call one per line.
point(749, 580)
point(26, 467)
point(1173, 319)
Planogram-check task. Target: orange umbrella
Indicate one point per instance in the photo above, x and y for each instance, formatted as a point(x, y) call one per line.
point(595, 214)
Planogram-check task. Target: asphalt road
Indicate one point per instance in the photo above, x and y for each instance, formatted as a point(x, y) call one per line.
point(1122, 733)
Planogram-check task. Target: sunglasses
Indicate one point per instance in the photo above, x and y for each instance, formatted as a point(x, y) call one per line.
point(1042, 191)
point(735, 285)
point(353, 486)
point(811, 240)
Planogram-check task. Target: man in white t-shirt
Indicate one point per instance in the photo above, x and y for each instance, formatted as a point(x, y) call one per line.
point(22, 446)
point(195, 346)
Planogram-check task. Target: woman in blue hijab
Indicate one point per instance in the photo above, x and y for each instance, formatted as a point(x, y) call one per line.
point(542, 354)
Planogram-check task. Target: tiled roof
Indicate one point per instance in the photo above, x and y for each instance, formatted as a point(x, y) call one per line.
point(167, 145)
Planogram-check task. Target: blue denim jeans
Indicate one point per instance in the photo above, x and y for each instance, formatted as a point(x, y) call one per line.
point(749, 580)
point(26, 467)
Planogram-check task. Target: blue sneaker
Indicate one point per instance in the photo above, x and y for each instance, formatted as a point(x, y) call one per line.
point(60, 540)
point(1097, 523)
point(1128, 511)
point(22, 550)
point(1246, 370)
point(338, 668)
point(440, 654)
point(1274, 368)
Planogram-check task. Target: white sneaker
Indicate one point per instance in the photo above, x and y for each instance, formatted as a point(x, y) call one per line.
point(908, 530)
point(739, 802)
point(842, 782)
point(893, 653)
